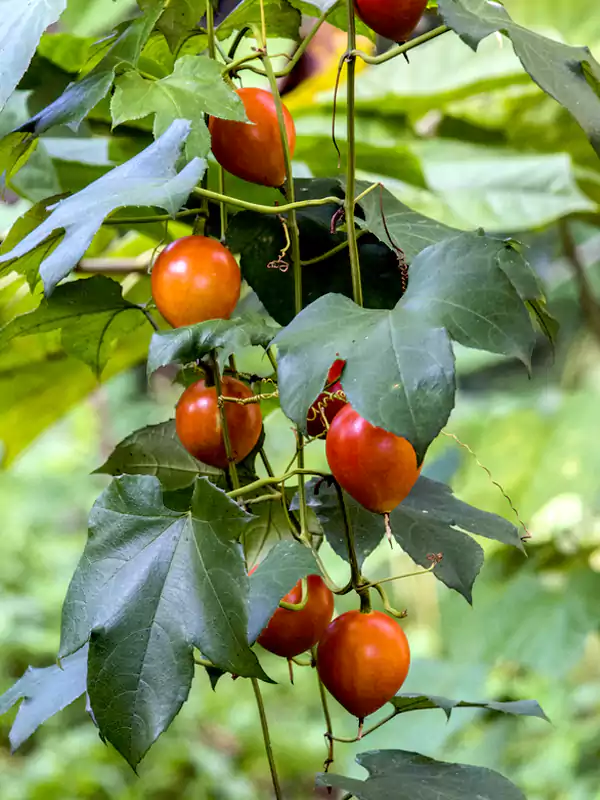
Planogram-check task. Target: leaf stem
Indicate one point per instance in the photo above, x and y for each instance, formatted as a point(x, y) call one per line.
point(399, 49)
point(368, 731)
point(267, 737)
point(337, 249)
point(351, 158)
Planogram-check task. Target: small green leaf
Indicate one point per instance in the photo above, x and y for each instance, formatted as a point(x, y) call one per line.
point(399, 372)
point(195, 88)
point(468, 284)
point(184, 345)
point(410, 776)
point(44, 692)
point(149, 179)
point(92, 315)
point(179, 18)
point(15, 150)
point(286, 564)
point(282, 19)
point(156, 450)
point(419, 702)
point(568, 74)
point(21, 27)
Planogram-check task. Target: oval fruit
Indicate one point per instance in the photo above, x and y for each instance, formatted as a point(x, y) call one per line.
point(253, 151)
point(198, 422)
point(363, 660)
point(328, 403)
point(195, 279)
point(392, 19)
point(290, 633)
point(376, 467)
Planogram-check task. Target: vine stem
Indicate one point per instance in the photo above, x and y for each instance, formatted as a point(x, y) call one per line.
point(400, 49)
point(258, 484)
point(326, 713)
point(233, 474)
point(351, 158)
point(262, 209)
point(358, 584)
point(267, 738)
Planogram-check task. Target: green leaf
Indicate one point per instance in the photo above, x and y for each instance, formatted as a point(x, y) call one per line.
point(399, 373)
point(410, 776)
point(44, 692)
point(152, 584)
point(66, 50)
point(462, 285)
point(15, 150)
point(184, 345)
point(156, 450)
point(178, 18)
point(410, 231)
point(149, 179)
point(21, 28)
point(420, 702)
point(196, 87)
point(282, 19)
point(92, 315)
point(429, 522)
point(560, 70)
point(286, 564)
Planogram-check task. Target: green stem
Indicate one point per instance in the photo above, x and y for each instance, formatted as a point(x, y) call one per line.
point(351, 159)
point(326, 713)
point(355, 573)
point(262, 209)
point(302, 489)
point(401, 48)
point(210, 29)
point(368, 731)
point(258, 484)
point(267, 738)
point(235, 481)
point(337, 249)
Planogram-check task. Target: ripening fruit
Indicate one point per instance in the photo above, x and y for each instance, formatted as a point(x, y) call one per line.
point(253, 151)
point(195, 279)
point(375, 467)
point(198, 422)
point(290, 633)
point(328, 403)
point(363, 660)
point(392, 19)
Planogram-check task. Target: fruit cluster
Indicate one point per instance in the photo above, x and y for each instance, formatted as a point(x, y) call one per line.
point(362, 658)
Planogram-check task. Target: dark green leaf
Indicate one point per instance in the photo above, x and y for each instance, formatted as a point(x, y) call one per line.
point(195, 88)
point(156, 450)
point(419, 702)
point(282, 19)
point(287, 563)
point(410, 776)
point(399, 373)
point(74, 104)
point(184, 345)
point(152, 584)
point(468, 284)
point(149, 179)
point(566, 73)
point(21, 27)
point(92, 315)
point(44, 692)
point(410, 231)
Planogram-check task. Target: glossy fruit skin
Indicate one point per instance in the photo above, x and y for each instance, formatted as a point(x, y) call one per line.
point(375, 467)
point(393, 19)
point(253, 152)
point(195, 279)
point(363, 660)
point(329, 402)
point(198, 422)
point(290, 633)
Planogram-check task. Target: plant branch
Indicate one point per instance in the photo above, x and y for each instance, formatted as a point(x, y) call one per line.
point(351, 158)
point(590, 306)
point(258, 484)
point(262, 209)
point(235, 481)
point(326, 713)
point(337, 249)
point(355, 573)
point(267, 737)
point(399, 49)
point(368, 731)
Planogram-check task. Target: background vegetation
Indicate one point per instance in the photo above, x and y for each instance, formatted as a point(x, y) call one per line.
point(468, 140)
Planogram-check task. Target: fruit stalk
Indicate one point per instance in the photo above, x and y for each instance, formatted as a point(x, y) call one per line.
point(355, 573)
point(351, 159)
point(233, 475)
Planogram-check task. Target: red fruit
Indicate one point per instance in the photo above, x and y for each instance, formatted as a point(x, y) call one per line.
point(198, 422)
point(393, 19)
point(375, 467)
point(195, 279)
point(363, 660)
point(253, 151)
point(328, 403)
point(292, 632)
